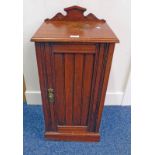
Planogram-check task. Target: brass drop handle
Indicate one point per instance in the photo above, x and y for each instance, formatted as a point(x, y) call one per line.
point(51, 95)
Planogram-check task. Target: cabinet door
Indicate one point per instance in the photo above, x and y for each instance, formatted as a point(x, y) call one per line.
point(71, 72)
point(75, 73)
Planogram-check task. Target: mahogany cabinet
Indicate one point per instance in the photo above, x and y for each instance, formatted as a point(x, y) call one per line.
point(74, 55)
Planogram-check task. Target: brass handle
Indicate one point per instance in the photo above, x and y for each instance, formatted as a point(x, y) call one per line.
point(51, 95)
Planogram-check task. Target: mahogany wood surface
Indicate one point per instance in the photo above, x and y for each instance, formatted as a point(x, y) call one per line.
point(78, 88)
point(74, 13)
point(96, 90)
point(77, 69)
point(104, 85)
point(87, 85)
point(74, 27)
point(43, 85)
point(70, 48)
point(72, 128)
point(59, 89)
point(49, 70)
point(73, 136)
point(69, 70)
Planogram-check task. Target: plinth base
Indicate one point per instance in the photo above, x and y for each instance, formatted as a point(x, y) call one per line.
point(73, 136)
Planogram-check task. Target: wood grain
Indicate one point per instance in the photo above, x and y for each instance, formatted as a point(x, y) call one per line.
point(93, 88)
point(78, 88)
point(74, 13)
point(60, 28)
point(73, 136)
point(69, 76)
point(105, 84)
point(43, 85)
point(72, 128)
point(49, 71)
point(60, 85)
point(74, 48)
point(77, 69)
point(87, 82)
point(96, 88)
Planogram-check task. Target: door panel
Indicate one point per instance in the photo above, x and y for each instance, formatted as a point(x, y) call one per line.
point(73, 75)
point(87, 86)
point(69, 79)
point(60, 88)
point(78, 77)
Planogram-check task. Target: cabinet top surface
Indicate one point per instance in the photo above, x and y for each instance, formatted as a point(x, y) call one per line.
point(74, 27)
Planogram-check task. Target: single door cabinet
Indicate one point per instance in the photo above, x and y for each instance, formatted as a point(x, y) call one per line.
point(74, 55)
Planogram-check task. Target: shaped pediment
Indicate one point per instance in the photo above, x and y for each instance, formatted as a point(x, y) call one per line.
point(74, 13)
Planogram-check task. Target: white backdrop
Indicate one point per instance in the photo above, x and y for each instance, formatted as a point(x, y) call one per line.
point(117, 15)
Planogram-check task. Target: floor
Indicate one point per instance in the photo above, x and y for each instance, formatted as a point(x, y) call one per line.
point(115, 135)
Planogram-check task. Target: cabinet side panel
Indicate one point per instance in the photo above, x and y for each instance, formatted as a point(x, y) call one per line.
point(77, 88)
point(43, 84)
point(96, 59)
point(104, 84)
point(96, 88)
point(59, 87)
point(87, 85)
point(69, 81)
